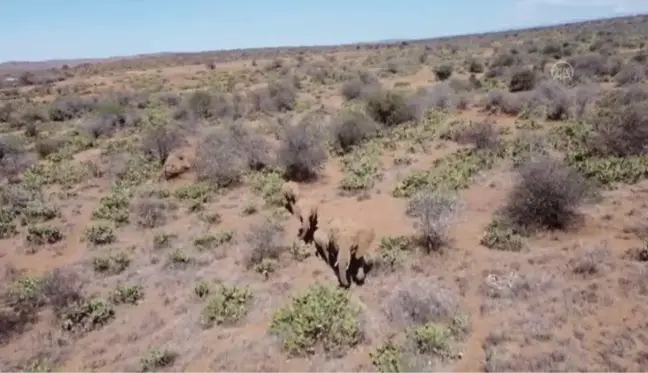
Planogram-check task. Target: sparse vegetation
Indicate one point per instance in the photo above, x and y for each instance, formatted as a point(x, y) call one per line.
point(431, 325)
point(419, 301)
point(453, 172)
point(142, 199)
point(359, 86)
point(208, 242)
point(482, 135)
point(265, 241)
point(152, 212)
point(161, 141)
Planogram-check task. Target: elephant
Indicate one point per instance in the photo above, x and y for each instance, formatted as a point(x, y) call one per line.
point(290, 194)
point(322, 244)
point(306, 210)
point(352, 244)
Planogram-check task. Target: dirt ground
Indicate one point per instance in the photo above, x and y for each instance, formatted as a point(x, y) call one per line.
point(137, 232)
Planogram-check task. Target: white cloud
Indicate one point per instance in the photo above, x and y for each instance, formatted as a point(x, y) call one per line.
point(525, 12)
point(615, 6)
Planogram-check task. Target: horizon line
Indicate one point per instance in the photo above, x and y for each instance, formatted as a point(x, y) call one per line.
point(534, 27)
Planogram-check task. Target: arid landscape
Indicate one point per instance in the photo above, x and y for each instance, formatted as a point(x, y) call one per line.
point(142, 225)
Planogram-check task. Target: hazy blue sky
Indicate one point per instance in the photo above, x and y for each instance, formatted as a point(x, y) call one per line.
point(46, 29)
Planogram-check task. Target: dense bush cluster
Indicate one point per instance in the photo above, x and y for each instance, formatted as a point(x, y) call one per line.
point(546, 195)
point(302, 151)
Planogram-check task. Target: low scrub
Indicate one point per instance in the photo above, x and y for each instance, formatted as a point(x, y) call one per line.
point(321, 317)
point(435, 213)
point(302, 152)
point(390, 107)
point(546, 195)
point(351, 129)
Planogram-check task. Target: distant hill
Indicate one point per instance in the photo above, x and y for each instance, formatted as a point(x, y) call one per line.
point(20, 66)
point(16, 67)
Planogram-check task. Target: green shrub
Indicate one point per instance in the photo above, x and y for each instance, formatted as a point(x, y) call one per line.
point(268, 184)
point(389, 107)
point(435, 213)
point(451, 173)
point(113, 264)
point(7, 230)
point(321, 316)
point(425, 346)
point(25, 295)
point(42, 235)
point(361, 168)
point(229, 305)
point(546, 195)
point(100, 234)
point(351, 129)
point(302, 150)
point(388, 358)
point(156, 359)
point(523, 80)
point(196, 193)
point(87, 315)
point(163, 240)
point(392, 252)
point(431, 339)
point(179, 259)
point(212, 241)
point(114, 207)
point(202, 289)
point(125, 293)
point(500, 235)
point(38, 212)
point(443, 72)
point(265, 241)
point(584, 154)
point(475, 67)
